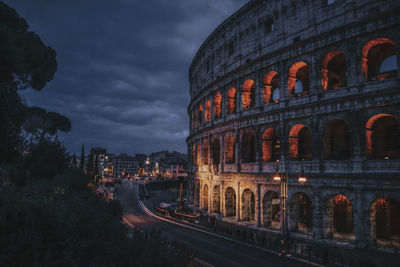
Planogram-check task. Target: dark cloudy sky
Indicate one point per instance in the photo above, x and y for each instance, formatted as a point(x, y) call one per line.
point(122, 67)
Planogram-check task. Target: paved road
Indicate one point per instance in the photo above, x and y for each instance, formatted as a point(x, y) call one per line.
point(210, 250)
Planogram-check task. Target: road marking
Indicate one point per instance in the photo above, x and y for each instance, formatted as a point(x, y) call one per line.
point(224, 237)
point(202, 263)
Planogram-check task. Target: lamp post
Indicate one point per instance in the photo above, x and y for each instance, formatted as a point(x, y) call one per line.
point(283, 180)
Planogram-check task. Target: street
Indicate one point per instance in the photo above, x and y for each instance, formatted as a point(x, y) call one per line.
point(210, 250)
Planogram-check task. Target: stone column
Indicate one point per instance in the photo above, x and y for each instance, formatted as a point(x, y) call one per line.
point(221, 151)
point(237, 149)
point(212, 109)
point(201, 195)
point(258, 90)
point(318, 214)
point(238, 203)
point(361, 231)
point(258, 207)
point(283, 82)
point(258, 142)
point(222, 199)
point(223, 103)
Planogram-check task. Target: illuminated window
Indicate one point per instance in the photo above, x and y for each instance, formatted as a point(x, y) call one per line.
point(271, 82)
point(333, 72)
point(231, 101)
point(248, 95)
point(299, 79)
point(379, 59)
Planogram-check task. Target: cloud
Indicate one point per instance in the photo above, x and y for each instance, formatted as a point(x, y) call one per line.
point(123, 65)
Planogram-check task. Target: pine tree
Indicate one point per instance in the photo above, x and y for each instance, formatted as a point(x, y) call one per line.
point(74, 161)
point(82, 165)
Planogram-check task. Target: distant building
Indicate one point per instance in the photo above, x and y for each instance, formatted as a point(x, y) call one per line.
point(168, 164)
point(125, 165)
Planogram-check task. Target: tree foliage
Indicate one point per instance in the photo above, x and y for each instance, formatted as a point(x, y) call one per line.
point(26, 62)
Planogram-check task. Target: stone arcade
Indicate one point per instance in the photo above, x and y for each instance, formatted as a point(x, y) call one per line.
point(315, 84)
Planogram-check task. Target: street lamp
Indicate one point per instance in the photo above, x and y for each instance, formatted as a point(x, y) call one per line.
point(283, 180)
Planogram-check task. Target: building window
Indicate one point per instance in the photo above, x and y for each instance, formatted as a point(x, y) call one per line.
point(299, 79)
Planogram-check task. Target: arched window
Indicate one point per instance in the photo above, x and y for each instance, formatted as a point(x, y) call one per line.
point(379, 59)
point(216, 199)
point(230, 202)
point(339, 218)
point(248, 148)
point(207, 112)
point(336, 140)
point(248, 95)
point(270, 145)
point(301, 213)
point(217, 106)
point(383, 137)
point(271, 87)
point(230, 150)
point(299, 79)
point(231, 101)
point(333, 72)
point(300, 143)
point(385, 222)
point(248, 205)
point(194, 161)
point(271, 210)
point(205, 152)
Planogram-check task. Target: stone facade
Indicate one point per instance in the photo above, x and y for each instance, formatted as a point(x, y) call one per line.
point(315, 84)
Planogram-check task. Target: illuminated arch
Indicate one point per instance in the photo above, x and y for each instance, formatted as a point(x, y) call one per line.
point(299, 75)
point(248, 205)
point(300, 142)
point(231, 101)
point(270, 145)
point(382, 135)
point(271, 82)
point(385, 221)
point(333, 72)
point(205, 152)
point(271, 210)
point(230, 149)
point(248, 95)
point(207, 111)
point(217, 106)
point(230, 202)
point(339, 217)
point(374, 54)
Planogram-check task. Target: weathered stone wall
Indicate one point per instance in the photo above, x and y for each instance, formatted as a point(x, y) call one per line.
point(266, 36)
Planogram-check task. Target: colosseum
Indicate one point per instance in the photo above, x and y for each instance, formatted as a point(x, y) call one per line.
point(301, 89)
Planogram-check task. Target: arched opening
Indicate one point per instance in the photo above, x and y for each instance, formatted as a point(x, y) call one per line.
point(333, 70)
point(383, 137)
point(271, 87)
point(200, 115)
point(248, 95)
point(216, 152)
point(230, 202)
point(336, 140)
point(270, 145)
point(205, 152)
point(230, 150)
point(271, 210)
point(217, 106)
point(248, 148)
point(301, 213)
point(385, 222)
point(300, 143)
point(339, 218)
point(231, 101)
point(299, 79)
point(379, 60)
point(207, 111)
point(216, 199)
point(205, 197)
point(248, 205)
